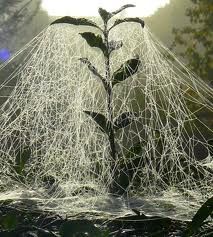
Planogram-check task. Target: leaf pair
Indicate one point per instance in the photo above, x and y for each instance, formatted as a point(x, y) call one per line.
point(105, 125)
point(105, 15)
point(128, 69)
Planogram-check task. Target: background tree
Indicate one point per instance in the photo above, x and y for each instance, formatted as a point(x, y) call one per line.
point(14, 14)
point(194, 41)
point(20, 21)
point(172, 15)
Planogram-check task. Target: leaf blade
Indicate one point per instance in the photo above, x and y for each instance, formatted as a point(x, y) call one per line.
point(123, 8)
point(201, 215)
point(104, 14)
point(75, 21)
point(95, 41)
point(129, 19)
point(129, 68)
point(100, 119)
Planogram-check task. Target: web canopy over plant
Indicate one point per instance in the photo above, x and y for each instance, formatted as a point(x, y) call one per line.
point(52, 151)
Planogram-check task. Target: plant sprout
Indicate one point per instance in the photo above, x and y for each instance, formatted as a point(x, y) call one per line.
point(110, 124)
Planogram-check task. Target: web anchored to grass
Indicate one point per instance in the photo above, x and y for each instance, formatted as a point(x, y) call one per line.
point(53, 152)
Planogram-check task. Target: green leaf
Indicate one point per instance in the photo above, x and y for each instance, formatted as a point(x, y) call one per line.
point(21, 159)
point(205, 211)
point(95, 41)
point(85, 227)
point(74, 21)
point(126, 70)
point(101, 120)
point(105, 15)
point(129, 19)
point(124, 119)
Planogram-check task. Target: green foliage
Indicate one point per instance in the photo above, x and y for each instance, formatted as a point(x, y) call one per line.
point(201, 215)
point(75, 21)
point(95, 41)
point(196, 39)
point(126, 70)
point(101, 120)
point(194, 44)
point(80, 228)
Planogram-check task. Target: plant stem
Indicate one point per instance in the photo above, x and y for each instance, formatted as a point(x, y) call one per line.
point(109, 96)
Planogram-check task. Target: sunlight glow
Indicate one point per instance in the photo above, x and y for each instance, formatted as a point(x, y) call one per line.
point(143, 8)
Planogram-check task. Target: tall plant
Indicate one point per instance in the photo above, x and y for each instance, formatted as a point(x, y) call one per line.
point(108, 124)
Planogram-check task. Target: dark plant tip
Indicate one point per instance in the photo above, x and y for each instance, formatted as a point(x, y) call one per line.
point(55, 22)
point(131, 5)
point(62, 20)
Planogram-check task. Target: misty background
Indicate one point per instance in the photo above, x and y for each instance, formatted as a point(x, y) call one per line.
point(21, 20)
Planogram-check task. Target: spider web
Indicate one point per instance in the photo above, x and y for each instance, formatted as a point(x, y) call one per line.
point(164, 155)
